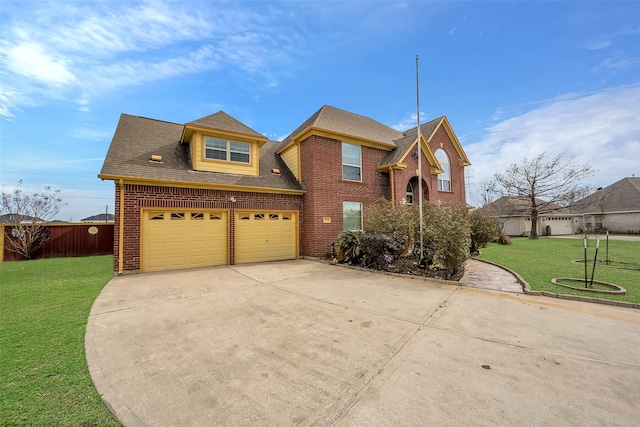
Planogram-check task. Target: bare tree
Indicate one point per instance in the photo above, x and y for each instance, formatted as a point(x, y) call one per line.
point(26, 214)
point(545, 180)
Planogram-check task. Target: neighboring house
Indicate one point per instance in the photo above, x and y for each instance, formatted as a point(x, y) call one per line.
point(17, 218)
point(214, 191)
point(104, 217)
point(514, 213)
point(615, 208)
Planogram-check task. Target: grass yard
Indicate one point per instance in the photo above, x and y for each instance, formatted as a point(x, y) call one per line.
point(538, 261)
point(45, 305)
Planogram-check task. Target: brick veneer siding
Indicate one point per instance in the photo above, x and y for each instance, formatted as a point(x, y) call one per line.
point(145, 196)
point(457, 194)
point(321, 173)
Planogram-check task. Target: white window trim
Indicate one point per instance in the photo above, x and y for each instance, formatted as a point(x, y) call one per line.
point(228, 151)
point(359, 165)
point(410, 193)
point(441, 179)
point(343, 215)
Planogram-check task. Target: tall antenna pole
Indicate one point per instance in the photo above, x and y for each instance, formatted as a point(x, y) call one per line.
point(419, 148)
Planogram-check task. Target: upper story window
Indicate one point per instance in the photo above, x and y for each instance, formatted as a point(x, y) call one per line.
point(222, 149)
point(351, 162)
point(409, 196)
point(444, 179)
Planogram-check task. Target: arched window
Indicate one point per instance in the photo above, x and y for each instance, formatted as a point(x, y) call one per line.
point(444, 179)
point(409, 196)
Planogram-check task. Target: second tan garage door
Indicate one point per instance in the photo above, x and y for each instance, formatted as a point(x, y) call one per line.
point(183, 239)
point(265, 236)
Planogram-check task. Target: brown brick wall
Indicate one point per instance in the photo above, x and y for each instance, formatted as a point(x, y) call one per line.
point(145, 196)
point(321, 160)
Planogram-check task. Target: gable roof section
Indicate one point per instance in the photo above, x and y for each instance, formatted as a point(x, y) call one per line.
point(621, 196)
point(520, 206)
point(138, 138)
point(408, 142)
point(342, 123)
point(430, 128)
point(224, 122)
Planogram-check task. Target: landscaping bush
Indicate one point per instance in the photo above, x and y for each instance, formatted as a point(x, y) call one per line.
point(398, 222)
point(484, 229)
point(349, 246)
point(377, 250)
point(447, 230)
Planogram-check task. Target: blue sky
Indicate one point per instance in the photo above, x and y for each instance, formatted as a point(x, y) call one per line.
point(514, 78)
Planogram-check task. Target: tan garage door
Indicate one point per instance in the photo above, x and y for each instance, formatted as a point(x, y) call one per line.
point(183, 239)
point(265, 236)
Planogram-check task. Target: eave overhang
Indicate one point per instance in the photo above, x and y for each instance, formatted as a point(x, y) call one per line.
point(318, 131)
point(189, 184)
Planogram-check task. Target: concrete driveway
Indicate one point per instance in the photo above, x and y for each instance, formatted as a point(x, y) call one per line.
point(305, 343)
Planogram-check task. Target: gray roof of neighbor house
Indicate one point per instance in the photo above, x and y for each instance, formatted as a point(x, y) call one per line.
point(138, 138)
point(223, 121)
point(341, 121)
point(521, 206)
point(621, 196)
point(103, 217)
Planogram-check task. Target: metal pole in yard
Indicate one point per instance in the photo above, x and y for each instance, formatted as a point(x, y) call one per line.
point(595, 258)
point(419, 165)
point(585, 262)
point(607, 255)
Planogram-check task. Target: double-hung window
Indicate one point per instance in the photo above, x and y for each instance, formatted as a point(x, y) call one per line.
point(222, 149)
point(351, 162)
point(352, 216)
point(444, 179)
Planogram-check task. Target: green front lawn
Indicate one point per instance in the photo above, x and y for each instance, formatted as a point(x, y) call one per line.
point(538, 261)
point(45, 305)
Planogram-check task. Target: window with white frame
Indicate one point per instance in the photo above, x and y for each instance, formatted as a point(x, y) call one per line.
point(351, 162)
point(352, 215)
point(409, 196)
point(222, 149)
point(444, 178)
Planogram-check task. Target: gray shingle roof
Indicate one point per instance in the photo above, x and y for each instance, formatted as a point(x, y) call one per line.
point(137, 138)
point(223, 121)
point(621, 196)
point(341, 121)
point(405, 142)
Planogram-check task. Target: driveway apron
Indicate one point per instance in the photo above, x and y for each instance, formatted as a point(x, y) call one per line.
point(304, 343)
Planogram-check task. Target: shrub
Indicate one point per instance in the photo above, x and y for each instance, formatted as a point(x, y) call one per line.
point(448, 232)
point(397, 222)
point(484, 229)
point(378, 250)
point(349, 246)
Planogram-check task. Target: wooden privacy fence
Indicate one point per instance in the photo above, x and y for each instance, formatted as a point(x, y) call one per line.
point(67, 240)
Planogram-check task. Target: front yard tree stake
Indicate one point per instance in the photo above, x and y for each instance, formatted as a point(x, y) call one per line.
point(595, 259)
point(585, 263)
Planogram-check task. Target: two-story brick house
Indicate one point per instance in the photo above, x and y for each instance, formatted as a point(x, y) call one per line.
point(214, 191)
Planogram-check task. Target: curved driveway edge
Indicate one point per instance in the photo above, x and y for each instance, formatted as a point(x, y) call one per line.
point(304, 343)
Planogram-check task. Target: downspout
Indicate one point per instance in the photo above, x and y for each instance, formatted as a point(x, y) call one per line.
point(393, 187)
point(121, 228)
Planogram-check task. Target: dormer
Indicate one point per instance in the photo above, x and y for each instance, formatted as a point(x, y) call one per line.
point(220, 143)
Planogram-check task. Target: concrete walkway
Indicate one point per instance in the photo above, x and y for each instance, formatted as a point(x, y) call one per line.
point(304, 343)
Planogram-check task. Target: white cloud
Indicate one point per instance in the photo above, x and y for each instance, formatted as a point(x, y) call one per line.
point(81, 50)
point(600, 129)
point(408, 122)
point(31, 61)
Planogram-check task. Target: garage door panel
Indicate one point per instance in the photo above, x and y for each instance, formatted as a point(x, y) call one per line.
point(183, 239)
point(265, 236)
